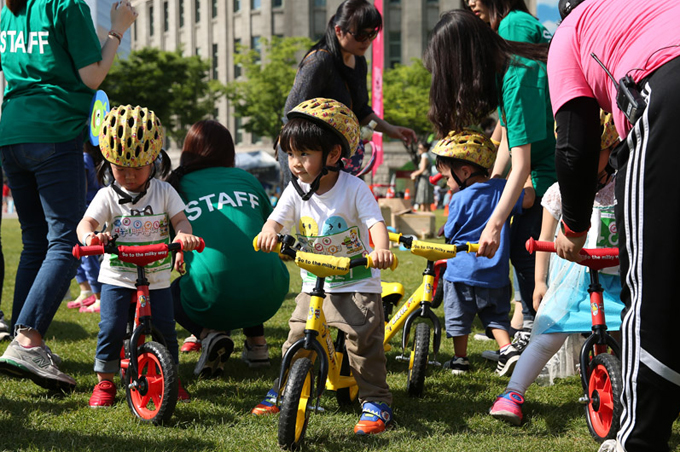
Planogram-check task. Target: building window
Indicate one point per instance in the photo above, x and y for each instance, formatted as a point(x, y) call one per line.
point(151, 21)
point(319, 2)
point(395, 2)
point(166, 18)
point(214, 8)
point(181, 13)
point(255, 138)
point(134, 31)
point(255, 4)
point(197, 51)
point(256, 45)
point(214, 61)
point(277, 3)
point(238, 131)
point(395, 47)
point(197, 11)
point(237, 6)
point(237, 67)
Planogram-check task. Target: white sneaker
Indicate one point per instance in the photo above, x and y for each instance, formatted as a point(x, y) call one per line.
point(37, 364)
point(609, 446)
point(255, 356)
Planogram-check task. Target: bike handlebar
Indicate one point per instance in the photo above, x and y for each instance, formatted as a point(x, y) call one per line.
point(136, 254)
point(594, 258)
point(436, 178)
point(430, 250)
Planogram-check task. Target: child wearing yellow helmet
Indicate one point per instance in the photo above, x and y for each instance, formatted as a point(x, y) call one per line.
point(335, 216)
point(475, 286)
point(138, 209)
point(565, 287)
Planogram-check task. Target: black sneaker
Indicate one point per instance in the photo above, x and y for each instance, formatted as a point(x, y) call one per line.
point(217, 348)
point(521, 339)
point(507, 361)
point(458, 365)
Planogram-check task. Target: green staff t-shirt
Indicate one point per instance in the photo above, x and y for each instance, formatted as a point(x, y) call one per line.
point(41, 50)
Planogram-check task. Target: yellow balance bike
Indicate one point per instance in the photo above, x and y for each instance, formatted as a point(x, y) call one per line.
point(418, 306)
point(303, 380)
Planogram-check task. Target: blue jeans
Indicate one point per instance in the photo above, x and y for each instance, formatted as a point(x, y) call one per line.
point(48, 185)
point(88, 271)
point(115, 310)
point(524, 226)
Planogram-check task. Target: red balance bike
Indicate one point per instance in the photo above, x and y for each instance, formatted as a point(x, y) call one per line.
point(600, 355)
point(148, 372)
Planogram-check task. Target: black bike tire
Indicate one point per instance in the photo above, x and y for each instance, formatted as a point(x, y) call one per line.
point(415, 384)
point(438, 296)
point(288, 436)
point(611, 366)
point(170, 383)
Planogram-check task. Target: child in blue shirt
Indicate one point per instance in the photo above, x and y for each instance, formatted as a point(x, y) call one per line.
point(475, 286)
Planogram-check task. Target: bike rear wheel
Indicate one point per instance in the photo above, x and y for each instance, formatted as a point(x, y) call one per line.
point(155, 397)
point(297, 404)
point(415, 384)
point(604, 397)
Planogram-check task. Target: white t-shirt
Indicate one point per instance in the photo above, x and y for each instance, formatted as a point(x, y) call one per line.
point(335, 223)
point(145, 223)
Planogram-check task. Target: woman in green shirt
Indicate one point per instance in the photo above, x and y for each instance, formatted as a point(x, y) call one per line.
point(229, 285)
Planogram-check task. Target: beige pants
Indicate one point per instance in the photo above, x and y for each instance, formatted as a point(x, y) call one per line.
point(360, 317)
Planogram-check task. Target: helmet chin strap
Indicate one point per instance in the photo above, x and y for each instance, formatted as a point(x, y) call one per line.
point(314, 186)
point(125, 198)
point(463, 184)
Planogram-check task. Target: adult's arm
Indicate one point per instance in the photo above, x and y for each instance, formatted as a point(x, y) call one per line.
point(122, 16)
point(490, 239)
point(576, 160)
point(397, 132)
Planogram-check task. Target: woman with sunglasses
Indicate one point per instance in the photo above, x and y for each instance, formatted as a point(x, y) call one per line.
point(335, 68)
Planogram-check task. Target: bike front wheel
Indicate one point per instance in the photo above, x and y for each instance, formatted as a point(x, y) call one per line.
point(154, 396)
point(604, 397)
point(297, 404)
point(418, 362)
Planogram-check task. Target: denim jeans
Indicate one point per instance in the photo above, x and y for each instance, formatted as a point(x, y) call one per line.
point(524, 226)
point(88, 271)
point(115, 309)
point(48, 185)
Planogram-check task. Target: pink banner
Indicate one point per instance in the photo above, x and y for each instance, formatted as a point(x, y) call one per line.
point(377, 64)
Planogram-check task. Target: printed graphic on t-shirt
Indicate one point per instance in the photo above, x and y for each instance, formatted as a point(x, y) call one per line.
point(141, 228)
point(609, 235)
point(336, 239)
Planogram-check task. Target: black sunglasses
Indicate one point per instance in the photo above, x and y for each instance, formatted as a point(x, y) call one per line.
point(363, 36)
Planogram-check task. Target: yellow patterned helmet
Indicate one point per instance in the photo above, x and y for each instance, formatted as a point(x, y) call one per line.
point(468, 145)
point(333, 115)
point(131, 136)
point(609, 134)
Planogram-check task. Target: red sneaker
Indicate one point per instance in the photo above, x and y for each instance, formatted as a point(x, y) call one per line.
point(182, 394)
point(103, 395)
point(191, 344)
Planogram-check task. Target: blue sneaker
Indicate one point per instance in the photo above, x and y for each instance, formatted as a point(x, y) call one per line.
point(375, 418)
point(267, 406)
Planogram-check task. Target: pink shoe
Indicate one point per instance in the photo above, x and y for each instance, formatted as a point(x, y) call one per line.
point(80, 302)
point(508, 407)
point(182, 394)
point(91, 308)
point(103, 395)
point(191, 344)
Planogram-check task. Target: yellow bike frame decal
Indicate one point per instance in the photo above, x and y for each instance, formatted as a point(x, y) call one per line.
point(316, 321)
point(321, 265)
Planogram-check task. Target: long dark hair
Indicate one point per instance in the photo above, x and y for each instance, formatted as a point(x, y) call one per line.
point(16, 5)
point(208, 144)
point(357, 14)
point(498, 9)
point(467, 60)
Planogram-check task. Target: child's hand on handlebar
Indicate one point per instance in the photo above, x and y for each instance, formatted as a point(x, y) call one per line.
point(267, 241)
point(189, 241)
point(102, 238)
point(382, 258)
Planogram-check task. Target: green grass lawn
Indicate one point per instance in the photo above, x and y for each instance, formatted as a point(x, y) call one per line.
point(450, 417)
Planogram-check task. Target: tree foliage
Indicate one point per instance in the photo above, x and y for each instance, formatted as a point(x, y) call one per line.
point(261, 95)
point(175, 87)
point(406, 96)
